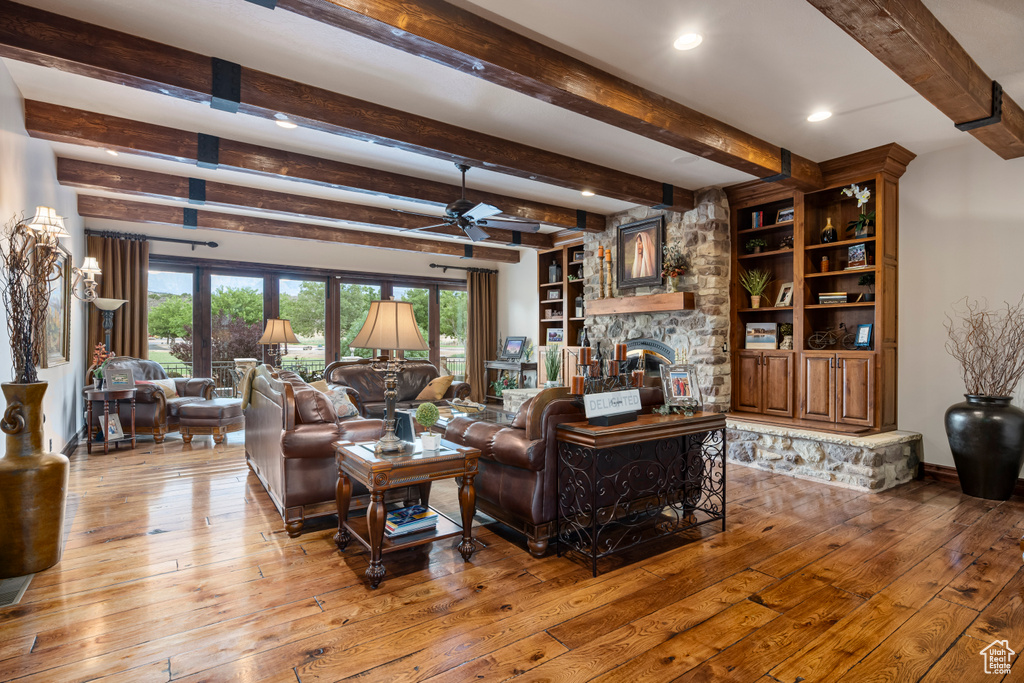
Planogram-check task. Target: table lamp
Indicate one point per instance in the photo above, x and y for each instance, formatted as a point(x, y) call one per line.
point(278, 332)
point(390, 325)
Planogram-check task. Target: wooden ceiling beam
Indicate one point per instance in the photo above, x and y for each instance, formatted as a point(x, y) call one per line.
point(39, 37)
point(90, 206)
point(85, 174)
point(906, 37)
point(75, 126)
point(469, 43)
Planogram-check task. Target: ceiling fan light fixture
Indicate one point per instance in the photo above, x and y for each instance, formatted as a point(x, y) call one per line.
point(688, 41)
point(819, 116)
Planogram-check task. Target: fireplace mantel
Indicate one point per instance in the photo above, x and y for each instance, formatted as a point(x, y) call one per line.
point(650, 303)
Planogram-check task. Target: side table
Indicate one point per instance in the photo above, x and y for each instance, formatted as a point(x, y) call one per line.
point(106, 395)
point(378, 473)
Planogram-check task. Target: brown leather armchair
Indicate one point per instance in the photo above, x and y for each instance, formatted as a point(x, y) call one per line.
point(154, 413)
point(290, 430)
point(366, 385)
point(517, 479)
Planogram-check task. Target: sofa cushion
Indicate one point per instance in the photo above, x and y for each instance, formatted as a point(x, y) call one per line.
point(174, 404)
point(519, 421)
point(312, 406)
point(414, 376)
point(436, 388)
point(367, 382)
point(165, 385)
point(375, 409)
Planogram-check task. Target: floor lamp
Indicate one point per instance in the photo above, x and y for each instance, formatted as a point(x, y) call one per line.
point(107, 308)
point(390, 325)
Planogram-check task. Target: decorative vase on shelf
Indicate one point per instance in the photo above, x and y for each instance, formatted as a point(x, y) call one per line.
point(554, 273)
point(986, 436)
point(828, 233)
point(755, 301)
point(33, 486)
point(672, 284)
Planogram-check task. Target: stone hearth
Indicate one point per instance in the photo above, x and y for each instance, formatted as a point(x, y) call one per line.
point(702, 333)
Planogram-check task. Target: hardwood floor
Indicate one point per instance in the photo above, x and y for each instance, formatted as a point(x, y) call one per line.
point(177, 568)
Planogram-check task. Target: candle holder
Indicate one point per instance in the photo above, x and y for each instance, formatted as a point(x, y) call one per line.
point(592, 378)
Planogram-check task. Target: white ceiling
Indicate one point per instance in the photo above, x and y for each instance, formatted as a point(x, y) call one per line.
point(763, 67)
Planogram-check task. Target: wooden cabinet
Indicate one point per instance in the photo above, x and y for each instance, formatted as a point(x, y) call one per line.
point(838, 388)
point(765, 383)
point(560, 273)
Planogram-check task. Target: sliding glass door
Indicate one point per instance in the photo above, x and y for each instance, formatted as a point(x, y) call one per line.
point(236, 324)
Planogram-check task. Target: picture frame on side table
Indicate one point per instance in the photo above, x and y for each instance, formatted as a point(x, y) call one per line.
point(513, 348)
point(120, 379)
point(785, 297)
point(113, 427)
point(640, 247)
point(679, 384)
point(863, 338)
point(762, 336)
point(57, 334)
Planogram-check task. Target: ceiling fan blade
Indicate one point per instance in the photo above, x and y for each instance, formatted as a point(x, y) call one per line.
point(474, 233)
point(416, 213)
point(426, 227)
point(481, 211)
point(518, 226)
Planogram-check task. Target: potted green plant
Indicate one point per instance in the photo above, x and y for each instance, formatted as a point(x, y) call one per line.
point(986, 432)
point(754, 246)
point(552, 366)
point(33, 483)
point(859, 227)
point(427, 416)
point(867, 280)
point(755, 282)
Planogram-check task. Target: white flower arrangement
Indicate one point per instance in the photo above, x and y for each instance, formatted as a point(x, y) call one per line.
point(862, 195)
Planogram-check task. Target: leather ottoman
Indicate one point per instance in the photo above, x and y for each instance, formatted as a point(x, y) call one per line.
point(215, 417)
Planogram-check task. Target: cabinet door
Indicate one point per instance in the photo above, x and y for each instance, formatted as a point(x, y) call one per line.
point(819, 385)
point(856, 389)
point(748, 383)
point(777, 375)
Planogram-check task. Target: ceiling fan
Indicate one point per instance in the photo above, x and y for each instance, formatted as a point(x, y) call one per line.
point(473, 218)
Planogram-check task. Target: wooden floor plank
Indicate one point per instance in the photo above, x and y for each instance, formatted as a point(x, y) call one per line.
point(177, 567)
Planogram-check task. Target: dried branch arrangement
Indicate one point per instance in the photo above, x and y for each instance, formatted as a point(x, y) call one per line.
point(989, 344)
point(29, 263)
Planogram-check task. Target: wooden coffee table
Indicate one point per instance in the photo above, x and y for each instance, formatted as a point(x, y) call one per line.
point(378, 473)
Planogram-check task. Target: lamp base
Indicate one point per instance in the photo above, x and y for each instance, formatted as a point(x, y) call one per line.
point(390, 444)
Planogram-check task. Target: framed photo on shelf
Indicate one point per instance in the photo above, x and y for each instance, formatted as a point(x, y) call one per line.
point(513, 348)
point(762, 336)
point(556, 335)
point(113, 427)
point(577, 255)
point(785, 297)
point(57, 329)
point(862, 340)
point(120, 379)
point(639, 252)
point(857, 256)
point(785, 215)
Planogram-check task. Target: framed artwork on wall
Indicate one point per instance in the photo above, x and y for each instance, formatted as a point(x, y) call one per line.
point(640, 251)
point(58, 314)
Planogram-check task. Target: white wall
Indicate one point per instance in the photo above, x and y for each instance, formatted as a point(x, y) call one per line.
point(961, 234)
point(518, 303)
point(28, 178)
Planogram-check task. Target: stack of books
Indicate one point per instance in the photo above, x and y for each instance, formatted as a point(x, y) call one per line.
point(757, 220)
point(832, 298)
point(409, 520)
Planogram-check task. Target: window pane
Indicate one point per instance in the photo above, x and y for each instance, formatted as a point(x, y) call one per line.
point(454, 319)
point(236, 308)
point(170, 321)
point(302, 303)
point(354, 304)
point(420, 305)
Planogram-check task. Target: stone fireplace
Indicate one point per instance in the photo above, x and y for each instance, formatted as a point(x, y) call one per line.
point(702, 333)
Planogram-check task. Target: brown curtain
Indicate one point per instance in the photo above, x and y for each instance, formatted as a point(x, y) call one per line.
point(125, 266)
point(482, 291)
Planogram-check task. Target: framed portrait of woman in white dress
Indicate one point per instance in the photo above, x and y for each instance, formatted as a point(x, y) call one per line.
point(639, 247)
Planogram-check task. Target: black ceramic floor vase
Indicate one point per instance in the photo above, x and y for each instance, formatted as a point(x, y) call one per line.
point(986, 435)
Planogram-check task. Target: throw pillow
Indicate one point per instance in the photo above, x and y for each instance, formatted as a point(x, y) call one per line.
point(250, 375)
point(437, 388)
point(343, 405)
point(320, 385)
point(166, 385)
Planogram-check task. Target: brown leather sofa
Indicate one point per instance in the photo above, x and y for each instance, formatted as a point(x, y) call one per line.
point(290, 430)
point(366, 385)
point(154, 413)
point(517, 480)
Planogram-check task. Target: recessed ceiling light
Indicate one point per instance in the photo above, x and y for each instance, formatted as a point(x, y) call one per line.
point(110, 152)
point(587, 193)
point(688, 41)
point(283, 121)
point(819, 116)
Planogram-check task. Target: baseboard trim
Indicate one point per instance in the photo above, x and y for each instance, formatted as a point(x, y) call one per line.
point(71, 445)
point(947, 474)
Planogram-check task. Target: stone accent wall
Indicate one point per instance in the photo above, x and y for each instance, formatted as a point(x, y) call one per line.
point(871, 463)
point(704, 235)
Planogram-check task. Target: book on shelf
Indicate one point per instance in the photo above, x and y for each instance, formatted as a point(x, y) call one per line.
point(832, 298)
point(409, 520)
point(757, 220)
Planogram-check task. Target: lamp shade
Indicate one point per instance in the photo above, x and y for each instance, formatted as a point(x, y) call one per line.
point(278, 332)
point(109, 304)
point(47, 220)
point(90, 266)
point(390, 325)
